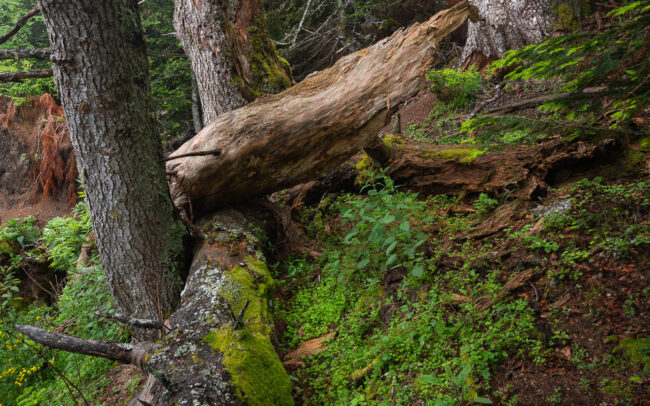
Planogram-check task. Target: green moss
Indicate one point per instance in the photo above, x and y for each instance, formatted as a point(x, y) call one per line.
point(249, 356)
point(616, 387)
point(271, 73)
point(635, 157)
point(644, 144)
point(390, 140)
point(565, 18)
point(462, 155)
point(637, 351)
point(364, 170)
point(256, 370)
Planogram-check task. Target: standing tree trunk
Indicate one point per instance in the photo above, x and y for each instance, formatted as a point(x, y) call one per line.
point(512, 24)
point(108, 106)
point(231, 53)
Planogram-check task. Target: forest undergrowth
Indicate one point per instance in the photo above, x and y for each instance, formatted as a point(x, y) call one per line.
point(407, 299)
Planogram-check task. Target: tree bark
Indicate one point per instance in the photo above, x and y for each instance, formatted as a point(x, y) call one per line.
point(107, 102)
point(505, 25)
point(231, 53)
point(311, 128)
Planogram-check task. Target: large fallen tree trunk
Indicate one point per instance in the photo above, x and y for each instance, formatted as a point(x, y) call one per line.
point(522, 172)
point(217, 350)
point(311, 128)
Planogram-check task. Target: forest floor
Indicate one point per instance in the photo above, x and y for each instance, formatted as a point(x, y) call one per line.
point(395, 298)
point(389, 297)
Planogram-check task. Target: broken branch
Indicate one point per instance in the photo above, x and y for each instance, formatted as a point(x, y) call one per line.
point(18, 76)
point(124, 353)
point(137, 323)
point(36, 53)
point(19, 24)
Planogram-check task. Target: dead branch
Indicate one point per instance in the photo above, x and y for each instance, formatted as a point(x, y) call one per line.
point(215, 152)
point(18, 76)
point(124, 353)
point(21, 53)
point(132, 322)
point(19, 24)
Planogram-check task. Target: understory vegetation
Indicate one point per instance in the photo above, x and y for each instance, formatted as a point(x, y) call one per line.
point(402, 298)
point(63, 299)
point(418, 307)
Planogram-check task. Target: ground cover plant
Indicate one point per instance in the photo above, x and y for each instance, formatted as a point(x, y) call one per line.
point(30, 372)
point(424, 313)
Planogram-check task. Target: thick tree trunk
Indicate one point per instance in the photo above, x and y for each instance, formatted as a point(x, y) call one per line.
point(107, 101)
point(311, 128)
point(231, 53)
point(505, 25)
point(218, 349)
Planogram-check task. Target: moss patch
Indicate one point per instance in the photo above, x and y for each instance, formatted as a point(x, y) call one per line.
point(249, 356)
point(256, 370)
point(462, 155)
point(637, 350)
point(644, 144)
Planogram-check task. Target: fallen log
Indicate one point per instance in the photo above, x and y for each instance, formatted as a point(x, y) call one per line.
point(217, 349)
point(311, 128)
point(523, 172)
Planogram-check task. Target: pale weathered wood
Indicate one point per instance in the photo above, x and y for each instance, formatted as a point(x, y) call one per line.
point(311, 128)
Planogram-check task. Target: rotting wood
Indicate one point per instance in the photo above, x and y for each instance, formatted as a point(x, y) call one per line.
point(311, 128)
point(520, 171)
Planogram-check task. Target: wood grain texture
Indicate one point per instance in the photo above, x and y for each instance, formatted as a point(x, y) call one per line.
point(311, 128)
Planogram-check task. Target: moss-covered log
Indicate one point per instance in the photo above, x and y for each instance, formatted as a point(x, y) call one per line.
point(311, 128)
point(217, 349)
point(524, 171)
point(216, 354)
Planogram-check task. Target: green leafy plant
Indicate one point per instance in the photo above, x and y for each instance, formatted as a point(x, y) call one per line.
point(484, 204)
point(603, 79)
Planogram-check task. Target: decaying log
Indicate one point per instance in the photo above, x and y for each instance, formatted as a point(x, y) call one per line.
point(217, 350)
point(521, 171)
point(311, 128)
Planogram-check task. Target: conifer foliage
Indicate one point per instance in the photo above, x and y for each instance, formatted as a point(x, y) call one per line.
point(603, 78)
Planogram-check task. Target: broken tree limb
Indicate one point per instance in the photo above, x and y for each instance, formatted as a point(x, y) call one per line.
point(218, 350)
point(35, 53)
point(129, 321)
point(19, 24)
point(311, 128)
point(124, 353)
point(19, 76)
